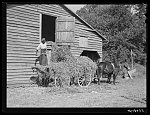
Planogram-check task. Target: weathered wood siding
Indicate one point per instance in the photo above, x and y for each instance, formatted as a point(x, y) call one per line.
point(23, 34)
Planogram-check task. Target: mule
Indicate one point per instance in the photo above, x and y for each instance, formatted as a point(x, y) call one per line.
point(108, 69)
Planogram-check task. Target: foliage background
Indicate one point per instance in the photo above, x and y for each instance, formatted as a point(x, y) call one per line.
point(123, 25)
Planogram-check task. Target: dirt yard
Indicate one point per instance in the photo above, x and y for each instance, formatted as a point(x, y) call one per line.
point(126, 93)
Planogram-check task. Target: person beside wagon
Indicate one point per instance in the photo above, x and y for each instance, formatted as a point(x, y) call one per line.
point(125, 70)
point(43, 49)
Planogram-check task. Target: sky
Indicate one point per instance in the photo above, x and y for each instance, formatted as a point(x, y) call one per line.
point(74, 7)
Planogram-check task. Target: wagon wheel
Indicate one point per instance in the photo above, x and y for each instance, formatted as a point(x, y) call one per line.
point(84, 81)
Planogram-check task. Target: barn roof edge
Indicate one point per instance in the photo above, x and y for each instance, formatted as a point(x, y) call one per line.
point(83, 21)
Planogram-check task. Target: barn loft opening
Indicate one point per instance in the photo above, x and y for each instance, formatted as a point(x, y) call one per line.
point(48, 27)
point(91, 54)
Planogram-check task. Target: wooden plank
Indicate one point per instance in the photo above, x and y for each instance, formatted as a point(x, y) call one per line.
point(27, 31)
point(22, 33)
point(23, 74)
point(25, 63)
point(85, 33)
point(11, 24)
point(25, 84)
point(20, 73)
point(25, 22)
point(90, 39)
point(9, 47)
point(22, 36)
point(19, 81)
point(13, 36)
point(17, 75)
point(25, 9)
point(56, 8)
point(29, 70)
point(65, 36)
point(20, 49)
point(16, 13)
point(18, 68)
point(23, 44)
point(77, 21)
point(51, 10)
point(18, 17)
point(95, 43)
point(21, 23)
point(22, 16)
point(22, 39)
point(22, 28)
point(21, 65)
point(9, 53)
point(19, 46)
point(95, 39)
point(76, 51)
point(81, 26)
point(94, 46)
point(17, 85)
point(19, 78)
point(20, 58)
point(20, 61)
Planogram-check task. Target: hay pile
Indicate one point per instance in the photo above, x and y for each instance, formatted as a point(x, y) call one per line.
point(66, 68)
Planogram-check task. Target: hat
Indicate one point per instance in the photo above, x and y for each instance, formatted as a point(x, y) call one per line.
point(43, 39)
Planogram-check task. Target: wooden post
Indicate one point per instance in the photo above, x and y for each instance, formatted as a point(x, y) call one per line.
point(132, 58)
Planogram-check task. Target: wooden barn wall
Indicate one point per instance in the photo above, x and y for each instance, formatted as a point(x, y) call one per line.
point(23, 32)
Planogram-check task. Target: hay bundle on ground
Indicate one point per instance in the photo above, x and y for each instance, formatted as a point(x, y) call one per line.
point(55, 71)
point(60, 72)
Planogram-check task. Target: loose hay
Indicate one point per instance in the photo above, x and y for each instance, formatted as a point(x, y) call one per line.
point(65, 69)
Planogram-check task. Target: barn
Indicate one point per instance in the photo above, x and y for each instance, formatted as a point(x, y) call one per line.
point(28, 23)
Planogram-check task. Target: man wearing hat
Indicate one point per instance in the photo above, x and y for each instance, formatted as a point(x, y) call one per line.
point(43, 56)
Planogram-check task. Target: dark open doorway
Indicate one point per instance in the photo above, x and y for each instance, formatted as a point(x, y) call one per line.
point(48, 27)
point(91, 54)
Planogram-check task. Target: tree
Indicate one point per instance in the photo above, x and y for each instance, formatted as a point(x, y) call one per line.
point(124, 29)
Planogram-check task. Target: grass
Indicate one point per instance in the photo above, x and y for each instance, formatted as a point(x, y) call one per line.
point(140, 70)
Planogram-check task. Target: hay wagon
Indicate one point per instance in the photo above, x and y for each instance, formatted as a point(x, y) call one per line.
point(65, 69)
point(83, 80)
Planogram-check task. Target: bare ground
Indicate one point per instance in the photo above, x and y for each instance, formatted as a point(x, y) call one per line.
point(126, 93)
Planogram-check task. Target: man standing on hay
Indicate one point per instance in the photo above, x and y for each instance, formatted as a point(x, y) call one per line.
point(43, 56)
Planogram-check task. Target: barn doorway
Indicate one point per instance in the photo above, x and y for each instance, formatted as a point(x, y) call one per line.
point(48, 27)
point(91, 54)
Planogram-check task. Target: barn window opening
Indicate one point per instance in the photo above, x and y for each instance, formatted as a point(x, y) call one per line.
point(48, 27)
point(93, 55)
